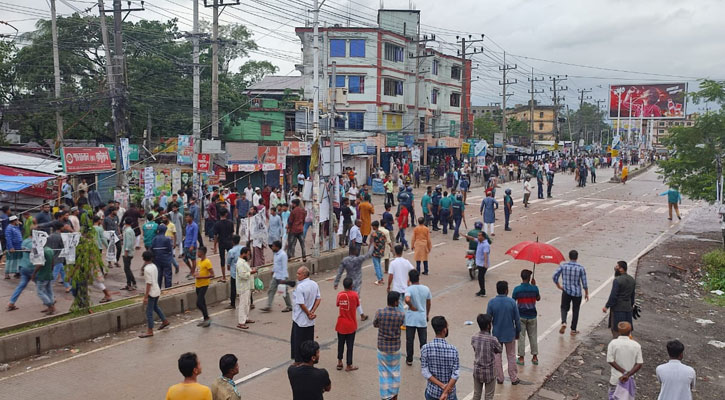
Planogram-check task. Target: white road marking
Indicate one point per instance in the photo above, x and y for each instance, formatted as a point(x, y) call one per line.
point(535, 212)
point(439, 244)
point(554, 201)
point(641, 208)
point(252, 375)
point(585, 205)
point(587, 223)
point(603, 206)
point(553, 240)
point(568, 203)
point(661, 210)
point(499, 264)
point(620, 208)
point(645, 195)
point(546, 209)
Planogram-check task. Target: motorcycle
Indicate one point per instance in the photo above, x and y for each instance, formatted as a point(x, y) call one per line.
point(471, 264)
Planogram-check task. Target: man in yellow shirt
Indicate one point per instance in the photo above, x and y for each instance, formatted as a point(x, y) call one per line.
point(190, 367)
point(171, 233)
point(203, 275)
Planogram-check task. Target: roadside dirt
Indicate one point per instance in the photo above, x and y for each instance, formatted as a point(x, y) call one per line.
point(674, 306)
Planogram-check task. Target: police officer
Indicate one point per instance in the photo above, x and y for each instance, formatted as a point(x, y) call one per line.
point(445, 211)
point(435, 205)
point(457, 211)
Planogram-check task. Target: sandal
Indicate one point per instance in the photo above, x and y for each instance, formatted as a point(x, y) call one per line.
point(105, 300)
point(145, 335)
point(241, 326)
point(249, 321)
point(12, 307)
point(164, 325)
point(351, 368)
point(535, 361)
point(339, 367)
point(519, 362)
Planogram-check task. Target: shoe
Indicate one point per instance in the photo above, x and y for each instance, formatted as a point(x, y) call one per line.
point(574, 333)
point(200, 323)
point(562, 329)
point(164, 325)
point(507, 229)
point(287, 309)
point(479, 294)
point(265, 309)
point(206, 323)
point(229, 307)
point(520, 361)
point(363, 317)
point(516, 382)
point(409, 363)
point(425, 273)
point(669, 219)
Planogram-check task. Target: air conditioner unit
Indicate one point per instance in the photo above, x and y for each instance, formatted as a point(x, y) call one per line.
point(437, 112)
point(397, 107)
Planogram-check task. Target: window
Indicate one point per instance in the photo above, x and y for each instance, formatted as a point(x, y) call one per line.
point(541, 114)
point(432, 126)
point(355, 120)
point(421, 125)
point(661, 131)
point(393, 52)
point(337, 47)
point(541, 126)
point(455, 99)
point(356, 84)
point(455, 72)
point(265, 128)
point(434, 69)
point(340, 121)
point(357, 48)
point(662, 124)
point(434, 96)
point(339, 81)
point(392, 87)
point(688, 123)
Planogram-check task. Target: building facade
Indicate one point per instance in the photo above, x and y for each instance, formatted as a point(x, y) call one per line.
point(661, 128)
point(544, 119)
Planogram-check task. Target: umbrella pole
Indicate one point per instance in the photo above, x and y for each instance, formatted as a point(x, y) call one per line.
point(533, 273)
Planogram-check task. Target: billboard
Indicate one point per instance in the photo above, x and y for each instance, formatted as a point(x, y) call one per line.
point(648, 101)
point(79, 160)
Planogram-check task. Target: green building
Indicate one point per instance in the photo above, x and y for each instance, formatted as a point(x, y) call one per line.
point(265, 122)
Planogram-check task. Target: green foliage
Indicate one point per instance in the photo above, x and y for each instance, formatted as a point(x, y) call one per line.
point(88, 260)
point(586, 119)
point(484, 127)
point(516, 127)
point(714, 270)
point(710, 90)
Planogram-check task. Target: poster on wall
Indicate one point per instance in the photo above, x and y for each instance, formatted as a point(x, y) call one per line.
point(122, 197)
point(203, 163)
point(185, 150)
point(148, 179)
point(37, 254)
point(175, 180)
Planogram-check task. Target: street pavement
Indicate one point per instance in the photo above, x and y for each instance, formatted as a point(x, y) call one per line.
point(605, 222)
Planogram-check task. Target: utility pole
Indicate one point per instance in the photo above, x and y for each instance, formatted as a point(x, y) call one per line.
point(599, 120)
point(533, 91)
point(582, 97)
point(417, 57)
point(333, 179)
point(56, 73)
point(465, 86)
point(555, 88)
point(316, 125)
point(504, 69)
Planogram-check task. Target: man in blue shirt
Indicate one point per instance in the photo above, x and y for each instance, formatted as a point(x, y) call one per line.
point(574, 279)
point(190, 237)
point(418, 298)
point(194, 212)
point(489, 205)
point(439, 363)
point(506, 328)
point(526, 296)
point(280, 275)
point(163, 251)
point(483, 252)
point(673, 199)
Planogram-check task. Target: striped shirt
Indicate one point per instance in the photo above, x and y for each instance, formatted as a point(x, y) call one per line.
point(526, 296)
point(572, 274)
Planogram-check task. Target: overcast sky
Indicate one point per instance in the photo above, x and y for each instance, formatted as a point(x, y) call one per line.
point(648, 41)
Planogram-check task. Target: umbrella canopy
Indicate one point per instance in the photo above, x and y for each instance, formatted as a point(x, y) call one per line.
point(536, 252)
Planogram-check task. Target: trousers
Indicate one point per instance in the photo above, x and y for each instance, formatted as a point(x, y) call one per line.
point(273, 283)
point(482, 278)
point(445, 213)
point(570, 301)
point(457, 223)
point(165, 274)
point(511, 358)
point(345, 339)
point(233, 291)
point(478, 386)
point(151, 308)
point(25, 274)
point(425, 266)
point(292, 238)
point(299, 335)
point(130, 280)
point(410, 332)
point(528, 328)
point(506, 216)
point(201, 301)
point(45, 292)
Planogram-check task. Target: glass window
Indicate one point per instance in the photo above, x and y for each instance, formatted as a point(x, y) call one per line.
point(393, 52)
point(355, 120)
point(455, 99)
point(337, 47)
point(357, 48)
point(541, 114)
point(339, 81)
point(340, 121)
point(356, 84)
point(434, 70)
point(392, 87)
point(434, 96)
point(455, 72)
point(541, 126)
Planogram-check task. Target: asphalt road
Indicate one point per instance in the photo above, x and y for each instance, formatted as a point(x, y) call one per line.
point(605, 222)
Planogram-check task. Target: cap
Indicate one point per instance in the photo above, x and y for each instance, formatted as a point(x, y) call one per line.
point(257, 188)
point(13, 218)
point(72, 209)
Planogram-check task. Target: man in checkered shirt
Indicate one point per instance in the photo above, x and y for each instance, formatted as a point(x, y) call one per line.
point(439, 363)
point(389, 320)
point(574, 279)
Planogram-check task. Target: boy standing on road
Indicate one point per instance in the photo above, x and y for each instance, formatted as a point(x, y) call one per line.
point(418, 298)
point(485, 348)
point(203, 276)
point(527, 191)
point(526, 295)
point(574, 279)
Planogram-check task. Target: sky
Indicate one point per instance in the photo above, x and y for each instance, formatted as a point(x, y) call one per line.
point(592, 43)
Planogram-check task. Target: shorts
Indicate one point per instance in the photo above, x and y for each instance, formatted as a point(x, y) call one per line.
point(189, 255)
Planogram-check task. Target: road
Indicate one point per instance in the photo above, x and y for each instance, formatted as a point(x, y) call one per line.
point(605, 222)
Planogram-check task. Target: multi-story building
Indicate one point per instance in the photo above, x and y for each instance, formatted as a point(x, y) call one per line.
point(661, 128)
point(481, 111)
point(376, 82)
point(544, 128)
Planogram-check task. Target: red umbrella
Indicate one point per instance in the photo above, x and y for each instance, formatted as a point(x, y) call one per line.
point(536, 252)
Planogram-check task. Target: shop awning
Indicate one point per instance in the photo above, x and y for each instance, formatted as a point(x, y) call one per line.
point(15, 184)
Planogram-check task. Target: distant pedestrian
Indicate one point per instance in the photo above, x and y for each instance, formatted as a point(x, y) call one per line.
point(439, 363)
point(43, 277)
point(527, 190)
point(223, 232)
point(202, 278)
point(625, 357)
point(673, 200)
point(189, 388)
point(347, 304)
point(445, 211)
point(308, 382)
point(224, 387)
point(402, 226)
point(366, 214)
point(508, 208)
point(398, 274)
point(621, 298)
point(280, 276)
point(378, 242)
point(485, 348)
point(129, 241)
point(245, 284)
point(418, 298)
point(677, 380)
point(458, 214)
point(549, 182)
point(506, 328)
point(574, 279)
point(355, 238)
point(190, 239)
point(526, 296)
point(421, 245)
point(481, 258)
point(388, 320)
point(295, 229)
point(163, 251)
point(232, 256)
point(540, 183)
point(489, 205)
point(152, 293)
point(306, 300)
point(14, 242)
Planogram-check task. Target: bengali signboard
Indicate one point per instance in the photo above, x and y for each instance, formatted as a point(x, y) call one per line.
point(648, 101)
point(185, 150)
point(148, 178)
point(391, 139)
point(296, 149)
point(79, 160)
point(203, 163)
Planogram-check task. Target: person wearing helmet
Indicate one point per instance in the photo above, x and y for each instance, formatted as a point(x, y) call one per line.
point(508, 204)
point(445, 211)
point(435, 206)
point(458, 212)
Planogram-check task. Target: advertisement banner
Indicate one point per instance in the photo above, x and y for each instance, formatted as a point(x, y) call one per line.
point(358, 148)
point(148, 179)
point(271, 155)
point(133, 151)
point(185, 150)
point(624, 126)
point(125, 163)
point(296, 149)
point(465, 148)
point(175, 180)
point(648, 101)
point(167, 145)
point(480, 149)
point(498, 139)
point(78, 160)
point(415, 154)
point(391, 139)
point(46, 190)
point(203, 163)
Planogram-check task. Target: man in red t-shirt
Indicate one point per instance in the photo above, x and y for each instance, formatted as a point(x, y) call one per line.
point(347, 302)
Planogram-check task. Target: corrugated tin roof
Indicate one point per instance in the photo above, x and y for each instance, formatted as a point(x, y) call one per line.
point(278, 83)
point(31, 162)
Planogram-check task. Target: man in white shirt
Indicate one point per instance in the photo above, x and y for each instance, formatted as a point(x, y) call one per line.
point(398, 275)
point(301, 180)
point(248, 191)
point(527, 190)
point(306, 299)
point(624, 355)
point(677, 379)
point(355, 238)
point(151, 294)
point(257, 197)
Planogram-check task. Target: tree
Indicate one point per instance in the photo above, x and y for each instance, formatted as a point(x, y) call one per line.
point(484, 127)
point(516, 127)
point(585, 123)
point(692, 166)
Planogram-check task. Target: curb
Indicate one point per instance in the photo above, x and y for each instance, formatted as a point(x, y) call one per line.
point(65, 333)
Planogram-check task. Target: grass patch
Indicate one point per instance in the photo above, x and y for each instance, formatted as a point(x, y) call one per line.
point(715, 275)
point(65, 317)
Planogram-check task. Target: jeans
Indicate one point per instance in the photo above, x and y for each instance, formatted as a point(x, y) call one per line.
point(273, 283)
point(130, 280)
point(445, 213)
point(457, 219)
point(511, 358)
point(165, 274)
point(411, 211)
point(426, 219)
point(345, 233)
point(378, 270)
point(401, 237)
point(410, 340)
point(425, 266)
point(291, 238)
point(305, 227)
point(389, 199)
point(566, 301)
point(507, 216)
point(548, 189)
point(25, 274)
point(482, 279)
point(201, 301)
point(45, 292)
point(151, 307)
point(58, 269)
point(478, 389)
point(528, 328)
point(345, 339)
point(540, 193)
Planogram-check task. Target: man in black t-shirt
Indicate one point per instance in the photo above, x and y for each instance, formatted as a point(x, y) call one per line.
point(308, 382)
point(223, 232)
point(346, 213)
